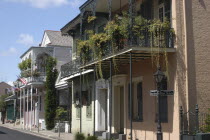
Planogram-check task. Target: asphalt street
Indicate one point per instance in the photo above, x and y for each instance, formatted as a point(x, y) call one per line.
point(8, 134)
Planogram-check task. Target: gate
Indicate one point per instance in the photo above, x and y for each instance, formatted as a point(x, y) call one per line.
point(193, 124)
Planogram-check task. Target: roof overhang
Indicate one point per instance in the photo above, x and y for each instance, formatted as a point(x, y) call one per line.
point(71, 25)
point(78, 74)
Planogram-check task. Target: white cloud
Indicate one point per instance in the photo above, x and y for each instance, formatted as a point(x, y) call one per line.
point(9, 52)
point(48, 3)
point(76, 3)
point(25, 39)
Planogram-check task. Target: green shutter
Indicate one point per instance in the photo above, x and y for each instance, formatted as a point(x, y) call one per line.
point(140, 101)
point(164, 103)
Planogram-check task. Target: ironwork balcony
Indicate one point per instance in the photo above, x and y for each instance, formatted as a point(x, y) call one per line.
point(162, 39)
point(70, 68)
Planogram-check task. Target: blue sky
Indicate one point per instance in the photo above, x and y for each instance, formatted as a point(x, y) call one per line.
point(22, 24)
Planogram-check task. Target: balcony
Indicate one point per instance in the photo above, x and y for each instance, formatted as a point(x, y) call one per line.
point(145, 44)
point(32, 77)
point(70, 68)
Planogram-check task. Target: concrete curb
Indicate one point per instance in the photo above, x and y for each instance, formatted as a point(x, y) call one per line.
point(33, 133)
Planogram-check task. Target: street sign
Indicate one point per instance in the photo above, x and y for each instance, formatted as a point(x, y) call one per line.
point(162, 92)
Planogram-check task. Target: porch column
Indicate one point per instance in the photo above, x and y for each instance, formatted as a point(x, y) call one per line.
point(31, 107)
point(131, 97)
point(20, 108)
point(110, 102)
point(27, 111)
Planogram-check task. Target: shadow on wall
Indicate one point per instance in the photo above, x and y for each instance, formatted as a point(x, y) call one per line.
point(149, 125)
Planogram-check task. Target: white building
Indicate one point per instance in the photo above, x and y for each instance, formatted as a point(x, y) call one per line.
point(32, 94)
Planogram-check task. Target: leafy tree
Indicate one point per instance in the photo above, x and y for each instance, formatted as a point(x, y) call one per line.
point(3, 106)
point(50, 98)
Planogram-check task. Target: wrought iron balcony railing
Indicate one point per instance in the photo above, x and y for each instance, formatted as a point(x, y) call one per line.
point(70, 68)
point(144, 39)
point(33, 79)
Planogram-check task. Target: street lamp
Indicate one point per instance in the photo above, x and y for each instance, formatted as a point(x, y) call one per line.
point(159, 76)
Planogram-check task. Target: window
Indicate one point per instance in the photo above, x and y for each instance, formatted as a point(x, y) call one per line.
point(164, 10)
point(146, 9)
point(161, 12)
point(89, 105)
point(168, 9)
point(137, 101)
point(164, 103)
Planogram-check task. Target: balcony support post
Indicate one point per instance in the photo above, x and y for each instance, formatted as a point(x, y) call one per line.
point(31, 106)
point(110, 9)
point(94, 89)
point(110, 18)
point(110, 102)
point(131, 20)
point(131, 97)
point(24, 108)
point(81, 23)
point(93, 7)
point(27, 109)
point(20, 107)
point(80, 101)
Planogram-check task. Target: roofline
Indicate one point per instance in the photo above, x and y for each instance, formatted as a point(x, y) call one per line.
point(29, 50)
point(70, 22)
point(85, 4)
point(43, 37)
point(50, 46)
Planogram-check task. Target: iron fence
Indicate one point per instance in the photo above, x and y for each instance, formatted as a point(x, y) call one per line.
point(193, 122)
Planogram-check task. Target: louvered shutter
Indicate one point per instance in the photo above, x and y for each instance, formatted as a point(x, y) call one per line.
point(140, 101)
point(164, 103)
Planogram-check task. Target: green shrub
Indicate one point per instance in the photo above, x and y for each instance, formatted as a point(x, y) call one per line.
point(92, 138)
point(79, 136)
point(61, 114)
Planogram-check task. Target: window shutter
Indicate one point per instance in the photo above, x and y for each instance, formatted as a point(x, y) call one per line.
point(140, 101)
point(164, 103)
point(168, 9)
point(164, 109)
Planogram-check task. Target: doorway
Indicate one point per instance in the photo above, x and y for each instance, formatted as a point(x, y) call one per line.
point(118, 111)
point(102, 109)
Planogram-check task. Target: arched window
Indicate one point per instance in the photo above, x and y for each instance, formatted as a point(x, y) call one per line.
point(41, 61)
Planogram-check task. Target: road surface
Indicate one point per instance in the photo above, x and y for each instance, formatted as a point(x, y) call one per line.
point(9, 134)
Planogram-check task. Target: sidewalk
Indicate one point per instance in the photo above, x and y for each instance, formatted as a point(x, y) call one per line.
point(42, 133)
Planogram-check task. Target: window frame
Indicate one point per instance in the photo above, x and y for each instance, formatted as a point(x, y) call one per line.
point(135, 83)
